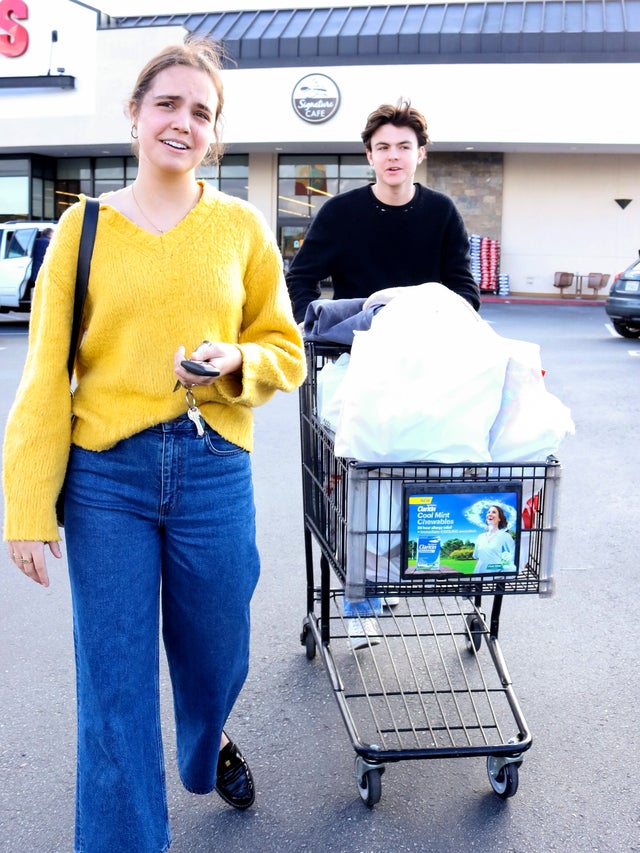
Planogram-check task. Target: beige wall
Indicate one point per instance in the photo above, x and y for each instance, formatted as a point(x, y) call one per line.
point(559, 213)
point(263, 184)
point(550, 212)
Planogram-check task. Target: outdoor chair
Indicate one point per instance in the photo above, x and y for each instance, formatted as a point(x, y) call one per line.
point(562, 280)
point(597, 281)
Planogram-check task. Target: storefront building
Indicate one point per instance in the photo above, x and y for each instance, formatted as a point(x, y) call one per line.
point(529, 106)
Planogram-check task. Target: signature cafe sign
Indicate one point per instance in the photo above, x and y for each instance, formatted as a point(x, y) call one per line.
point(14, 38)
point(316, 98)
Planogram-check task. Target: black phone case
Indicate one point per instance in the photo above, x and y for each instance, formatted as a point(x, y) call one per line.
point(199, 368)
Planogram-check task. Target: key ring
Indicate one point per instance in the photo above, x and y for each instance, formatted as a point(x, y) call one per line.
point(190, 398)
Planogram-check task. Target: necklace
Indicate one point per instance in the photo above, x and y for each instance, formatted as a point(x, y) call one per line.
point(137, 203)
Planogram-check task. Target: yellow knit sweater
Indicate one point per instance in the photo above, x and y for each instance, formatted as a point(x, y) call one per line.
point(216, 276)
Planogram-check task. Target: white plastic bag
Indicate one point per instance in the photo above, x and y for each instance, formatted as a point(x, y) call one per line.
point(329, 391)
point(384, 523)
point(531, 422)
point(424, 383)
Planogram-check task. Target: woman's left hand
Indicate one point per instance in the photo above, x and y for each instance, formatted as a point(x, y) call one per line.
point(29, 557)
point(227, 358)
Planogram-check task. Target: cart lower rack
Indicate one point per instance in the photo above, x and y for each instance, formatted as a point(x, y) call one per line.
point(430, 681)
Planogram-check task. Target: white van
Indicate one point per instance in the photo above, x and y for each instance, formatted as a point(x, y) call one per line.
point(16, 245)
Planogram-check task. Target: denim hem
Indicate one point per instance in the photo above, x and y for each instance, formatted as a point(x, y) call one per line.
point(199, 793)
point(164, 849)
point(191, 790)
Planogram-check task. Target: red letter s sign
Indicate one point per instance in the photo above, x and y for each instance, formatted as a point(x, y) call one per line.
point(15, 39)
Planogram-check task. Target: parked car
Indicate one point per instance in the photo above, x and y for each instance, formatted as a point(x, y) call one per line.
point(17, 240)
point(623, 302)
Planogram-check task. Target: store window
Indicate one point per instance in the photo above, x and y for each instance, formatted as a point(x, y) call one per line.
point(27, 186)
point(43, 175)
point(130, 170)
point(109, 175)
point(14, 189)
point(231, 176)
point(74, 176)
point(355, 171)
point(305, 184)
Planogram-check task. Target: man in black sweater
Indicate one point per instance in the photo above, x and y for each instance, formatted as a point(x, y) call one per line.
point(389, 234)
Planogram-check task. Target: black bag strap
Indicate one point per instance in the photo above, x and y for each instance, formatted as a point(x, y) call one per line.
point(87, 239)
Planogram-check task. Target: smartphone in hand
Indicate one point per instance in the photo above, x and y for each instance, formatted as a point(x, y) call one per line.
point(200, 368)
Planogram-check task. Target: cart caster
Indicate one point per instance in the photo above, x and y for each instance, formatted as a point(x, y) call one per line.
point(310, 646)
point(308, 641)
point(474, 638)
point(503, 777)
point(369, 781)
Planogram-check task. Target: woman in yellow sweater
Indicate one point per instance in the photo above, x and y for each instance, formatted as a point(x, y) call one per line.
point(159, 512)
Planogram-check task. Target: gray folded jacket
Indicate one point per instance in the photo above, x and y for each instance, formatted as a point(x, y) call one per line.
point(335, 320)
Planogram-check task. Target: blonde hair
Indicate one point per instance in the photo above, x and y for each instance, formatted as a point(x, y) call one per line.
point(200, 53)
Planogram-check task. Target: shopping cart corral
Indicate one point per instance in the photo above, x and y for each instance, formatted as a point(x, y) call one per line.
point(431, 681)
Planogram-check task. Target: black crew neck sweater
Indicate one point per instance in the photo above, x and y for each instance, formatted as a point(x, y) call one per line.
point(365, 246)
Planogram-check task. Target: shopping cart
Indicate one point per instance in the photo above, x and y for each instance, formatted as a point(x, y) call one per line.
point(431, 681)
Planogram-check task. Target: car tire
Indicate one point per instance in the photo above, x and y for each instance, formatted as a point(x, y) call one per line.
point(627, 331)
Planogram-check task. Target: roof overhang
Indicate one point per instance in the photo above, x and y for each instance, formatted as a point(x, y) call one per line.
point(508, 31)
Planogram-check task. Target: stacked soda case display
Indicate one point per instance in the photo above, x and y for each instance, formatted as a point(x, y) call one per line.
point(504, 288)
point(485, 262)
point(476, 268)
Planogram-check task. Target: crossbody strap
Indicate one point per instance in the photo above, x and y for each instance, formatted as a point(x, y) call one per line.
point(87, 239)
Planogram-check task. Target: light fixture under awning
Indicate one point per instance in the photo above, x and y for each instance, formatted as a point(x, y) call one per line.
point(41, 81)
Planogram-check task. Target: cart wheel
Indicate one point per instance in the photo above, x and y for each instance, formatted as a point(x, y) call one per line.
point(504, 781)
point(308, 640)
point(310, 645)
point(370, 787)
point(474, 639)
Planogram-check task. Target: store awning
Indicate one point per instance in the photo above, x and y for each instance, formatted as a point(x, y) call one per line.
point(526, 31)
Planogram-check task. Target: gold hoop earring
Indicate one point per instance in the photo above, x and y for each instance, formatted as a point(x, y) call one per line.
point(134, 135)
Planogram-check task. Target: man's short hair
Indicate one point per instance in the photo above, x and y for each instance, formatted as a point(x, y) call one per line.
point(402, 115)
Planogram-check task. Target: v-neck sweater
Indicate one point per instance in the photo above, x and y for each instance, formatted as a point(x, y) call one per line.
point(216, 276)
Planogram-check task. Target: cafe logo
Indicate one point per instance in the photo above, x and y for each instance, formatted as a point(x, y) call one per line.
point(316, 98)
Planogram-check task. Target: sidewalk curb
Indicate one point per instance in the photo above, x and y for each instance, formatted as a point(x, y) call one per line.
point(540, 300)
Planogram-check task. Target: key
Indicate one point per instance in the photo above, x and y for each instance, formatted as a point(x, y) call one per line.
point(194, 414)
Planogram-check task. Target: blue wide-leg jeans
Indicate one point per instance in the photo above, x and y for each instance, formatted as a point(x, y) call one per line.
point(160, 529)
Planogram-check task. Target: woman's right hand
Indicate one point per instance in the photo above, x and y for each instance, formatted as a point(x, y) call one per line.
point(29, 557)
point(226, 357)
